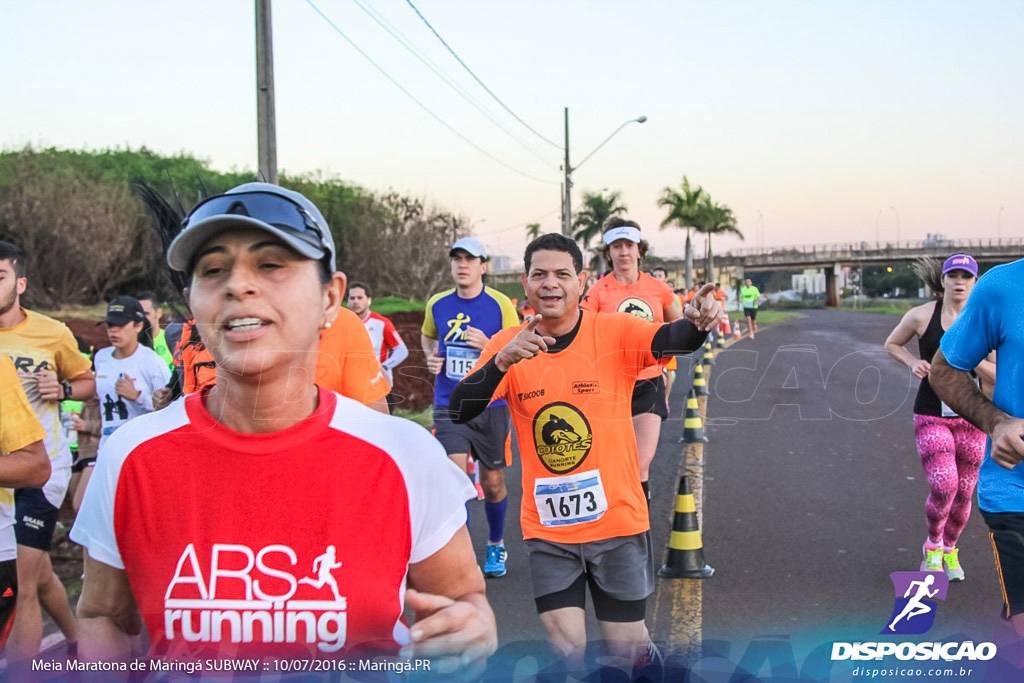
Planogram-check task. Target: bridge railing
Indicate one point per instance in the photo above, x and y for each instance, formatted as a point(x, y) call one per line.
point(872, 247)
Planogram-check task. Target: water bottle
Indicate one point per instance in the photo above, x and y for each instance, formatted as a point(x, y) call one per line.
point(67, 421)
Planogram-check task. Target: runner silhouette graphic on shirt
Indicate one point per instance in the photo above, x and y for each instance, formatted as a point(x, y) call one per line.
point(915, 607)
point(322, 567)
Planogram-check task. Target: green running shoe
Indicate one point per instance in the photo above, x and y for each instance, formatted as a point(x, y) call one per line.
point(951, 563)
point(932, 561)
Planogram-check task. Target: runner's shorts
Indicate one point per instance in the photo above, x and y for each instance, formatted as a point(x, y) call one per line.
point(8, 597)
point(649, 397)
point(622, 569)
point(750, 313)
point(34, 518)
point(483, 437)
point(1006, 530)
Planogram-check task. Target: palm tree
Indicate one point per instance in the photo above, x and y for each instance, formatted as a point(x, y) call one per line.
point(589, 221)
point(715, 219)
point(683, 212)
point(533, 231)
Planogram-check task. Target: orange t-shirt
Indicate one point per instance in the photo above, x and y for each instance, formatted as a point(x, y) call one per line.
point(346, 362)
point(647, 299)
point(572, 414)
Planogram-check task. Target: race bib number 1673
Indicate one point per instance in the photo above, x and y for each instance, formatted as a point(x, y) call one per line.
point(572, 499)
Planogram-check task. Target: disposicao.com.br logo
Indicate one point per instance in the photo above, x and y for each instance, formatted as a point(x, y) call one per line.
point(913, 613)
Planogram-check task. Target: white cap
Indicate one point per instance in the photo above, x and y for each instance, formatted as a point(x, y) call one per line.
point(623, 232)
point(471, 246)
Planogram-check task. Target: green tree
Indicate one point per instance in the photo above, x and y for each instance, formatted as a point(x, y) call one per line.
point(714, 219)
point(589, 221)
point(533, 231)
point(683, 212)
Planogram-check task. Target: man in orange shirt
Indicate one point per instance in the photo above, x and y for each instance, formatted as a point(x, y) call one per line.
point(567, 376)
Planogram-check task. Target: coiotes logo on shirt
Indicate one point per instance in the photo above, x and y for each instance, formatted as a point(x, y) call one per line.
point(637, 307)
point(562, 436)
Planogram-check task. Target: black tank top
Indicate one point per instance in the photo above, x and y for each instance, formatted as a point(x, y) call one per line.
point(927, 403)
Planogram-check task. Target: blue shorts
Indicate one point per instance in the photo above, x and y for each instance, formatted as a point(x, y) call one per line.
point(35, 518)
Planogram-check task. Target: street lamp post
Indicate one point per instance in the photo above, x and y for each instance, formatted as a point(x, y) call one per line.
point(566, 199)
point(760, 228)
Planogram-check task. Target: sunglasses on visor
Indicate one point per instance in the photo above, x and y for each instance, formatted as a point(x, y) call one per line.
point(272, 209)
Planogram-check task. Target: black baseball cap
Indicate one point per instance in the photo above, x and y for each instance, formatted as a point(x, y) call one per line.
point(123, 310)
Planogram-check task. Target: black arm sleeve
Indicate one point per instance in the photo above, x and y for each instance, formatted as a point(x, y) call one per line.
point(677, 338)
point(470, 396)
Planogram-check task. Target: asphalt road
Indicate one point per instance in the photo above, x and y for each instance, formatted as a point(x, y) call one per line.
point(810, 493)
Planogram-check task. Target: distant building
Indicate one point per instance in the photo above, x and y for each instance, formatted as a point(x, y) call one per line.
point(501, 264)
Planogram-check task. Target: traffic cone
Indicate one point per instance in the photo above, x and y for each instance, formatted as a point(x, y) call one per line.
point(720, 339)
point(736, 332)
point(709, 353)
point(699, 384)
point(685, 550)
point(693, 426)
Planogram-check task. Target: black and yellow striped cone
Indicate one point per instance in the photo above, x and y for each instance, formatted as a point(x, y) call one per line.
point(720, 339)
point(709, 353)
point(685, 550)
point(699, 384)
point(693, 426)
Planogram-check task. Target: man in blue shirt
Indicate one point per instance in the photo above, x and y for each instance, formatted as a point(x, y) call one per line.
point(993, 320)
point(457, 324)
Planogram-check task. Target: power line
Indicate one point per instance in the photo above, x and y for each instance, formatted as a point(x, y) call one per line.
point(470, 71)
point(420, 104)
point(418, 54)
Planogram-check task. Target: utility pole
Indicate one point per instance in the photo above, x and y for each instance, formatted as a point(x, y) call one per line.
point(567, 203)
point(266, 120)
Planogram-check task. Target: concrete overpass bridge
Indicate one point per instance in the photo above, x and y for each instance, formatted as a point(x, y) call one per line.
point(832, 258)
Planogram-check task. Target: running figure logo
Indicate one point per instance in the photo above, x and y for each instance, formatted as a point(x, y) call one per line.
point(322, 567)
point(455, 331)
point(914, 608)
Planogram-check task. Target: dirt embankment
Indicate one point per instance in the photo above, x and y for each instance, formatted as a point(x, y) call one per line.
point(414, 385)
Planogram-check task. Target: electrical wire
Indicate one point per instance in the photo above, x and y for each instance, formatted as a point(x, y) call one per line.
point(421, 104)
point(388, 27)
point(482, 85)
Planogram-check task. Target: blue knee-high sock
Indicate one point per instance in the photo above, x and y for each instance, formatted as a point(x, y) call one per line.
point(467, 515)
point(496, 519)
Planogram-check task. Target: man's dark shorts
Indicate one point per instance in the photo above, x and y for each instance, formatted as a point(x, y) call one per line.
point(483, 437)
point(34, 519)
point(649, 397)
point(750, 313)
point(8, 597)
point(1006, 529)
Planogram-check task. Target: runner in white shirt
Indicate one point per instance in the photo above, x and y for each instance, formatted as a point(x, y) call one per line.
point(387, 343)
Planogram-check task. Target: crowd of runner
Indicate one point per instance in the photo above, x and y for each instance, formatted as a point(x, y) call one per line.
point(221, 434)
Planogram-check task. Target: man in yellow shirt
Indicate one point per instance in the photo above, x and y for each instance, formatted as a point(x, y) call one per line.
point(51, 370)
point(23, 462)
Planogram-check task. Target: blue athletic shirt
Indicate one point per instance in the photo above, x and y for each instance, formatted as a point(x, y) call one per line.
point(447, 317)
point(993, 319)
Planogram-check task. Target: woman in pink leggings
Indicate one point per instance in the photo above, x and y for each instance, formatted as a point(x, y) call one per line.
point(951, 449)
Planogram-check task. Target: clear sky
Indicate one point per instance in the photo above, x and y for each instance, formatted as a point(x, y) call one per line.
point(833, 120)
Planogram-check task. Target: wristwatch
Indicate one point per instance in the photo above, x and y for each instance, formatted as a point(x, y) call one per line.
point(67, 389)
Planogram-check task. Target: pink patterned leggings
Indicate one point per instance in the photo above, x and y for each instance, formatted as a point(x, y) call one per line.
point(951, 452)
